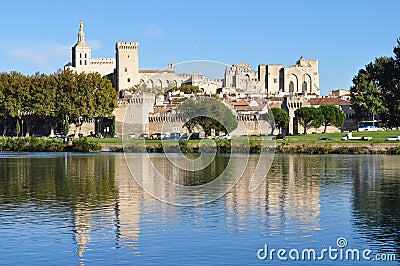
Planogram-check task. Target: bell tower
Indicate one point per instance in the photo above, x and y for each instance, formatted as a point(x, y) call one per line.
point(81, 52)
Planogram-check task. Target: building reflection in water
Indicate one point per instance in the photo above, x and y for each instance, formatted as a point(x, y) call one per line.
point(290, 191)
point(105, 208)
point(129, 196)
point(106, 196)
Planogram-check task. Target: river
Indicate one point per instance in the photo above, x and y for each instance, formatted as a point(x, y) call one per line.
point(86, 209)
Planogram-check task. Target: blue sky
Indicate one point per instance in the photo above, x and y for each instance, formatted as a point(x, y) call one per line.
point(342, 35)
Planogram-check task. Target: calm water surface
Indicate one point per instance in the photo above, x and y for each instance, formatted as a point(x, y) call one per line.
point(86, 209)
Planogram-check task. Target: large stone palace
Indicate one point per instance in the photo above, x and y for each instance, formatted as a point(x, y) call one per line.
point(124, 72)
point(285, 87)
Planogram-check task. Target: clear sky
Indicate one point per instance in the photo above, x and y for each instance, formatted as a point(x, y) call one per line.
point(343, 35)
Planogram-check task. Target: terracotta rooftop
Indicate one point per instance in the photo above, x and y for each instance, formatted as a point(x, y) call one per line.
point(242, 108)
point(334, 101)
point(240, 102)
point(276, 99)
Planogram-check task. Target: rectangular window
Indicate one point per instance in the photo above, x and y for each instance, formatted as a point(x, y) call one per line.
point(129, 80)
point(275, 80)
point(126, 69)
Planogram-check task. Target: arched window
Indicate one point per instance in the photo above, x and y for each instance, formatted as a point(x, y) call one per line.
point(129, 80)
point(291, 87)
point(304, 87)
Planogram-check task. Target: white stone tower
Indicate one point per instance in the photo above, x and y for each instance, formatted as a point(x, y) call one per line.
point(127, 69)
point(81, 52)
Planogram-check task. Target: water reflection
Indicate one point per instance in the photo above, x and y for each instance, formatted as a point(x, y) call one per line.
point(376, 199)
point(91, 205)
point(289, 195)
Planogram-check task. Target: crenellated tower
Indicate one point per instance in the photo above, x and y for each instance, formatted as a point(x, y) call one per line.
point(127, 64)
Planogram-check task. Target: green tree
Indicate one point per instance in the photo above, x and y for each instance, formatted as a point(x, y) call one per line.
point(66, 126)
point(17, 128)
point(4, 115)
point(81, 97)
point(281, 119)
point(209, 113)
point(112, 130)
point(376, 89)
point(84, 96)
point(391, 90)
point(366, 92)
point(308, 117)
point(332, 116)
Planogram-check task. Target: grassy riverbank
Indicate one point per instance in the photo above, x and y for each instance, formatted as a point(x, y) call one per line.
point(308, 144)
point(32, 144)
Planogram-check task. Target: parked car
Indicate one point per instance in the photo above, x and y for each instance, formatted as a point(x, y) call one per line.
point(158, 136)
point(174, 136)
point(393, 138)
point(224, 137)
point(65, 139)
point(143, 136)
point(349, 136)
point(279, 136)
point(324, 138)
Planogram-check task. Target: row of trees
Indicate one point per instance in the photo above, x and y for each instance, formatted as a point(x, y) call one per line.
point(60, 99)
point(376, 89)
point(325, 115)
point(310, 117)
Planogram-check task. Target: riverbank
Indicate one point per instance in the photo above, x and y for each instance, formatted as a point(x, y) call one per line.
point(32, 144)
point(283, 148)
point(293, 144)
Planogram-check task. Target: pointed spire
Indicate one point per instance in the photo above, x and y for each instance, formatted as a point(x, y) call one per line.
point(81, 34)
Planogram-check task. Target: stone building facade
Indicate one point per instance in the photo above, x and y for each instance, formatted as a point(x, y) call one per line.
point(271, 80)
point(275, 80)
point(123, 70)
point(295, 85)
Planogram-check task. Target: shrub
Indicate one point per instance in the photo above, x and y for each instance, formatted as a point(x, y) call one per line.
point(83, 145)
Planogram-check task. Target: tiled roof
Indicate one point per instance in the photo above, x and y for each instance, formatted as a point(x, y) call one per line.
point(323, 101)
point(276, 99)
point(240, 102)
point(242, 108)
